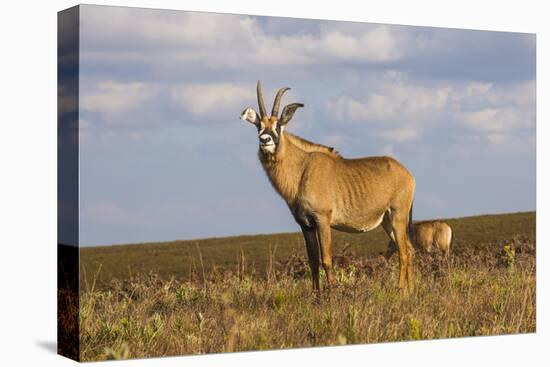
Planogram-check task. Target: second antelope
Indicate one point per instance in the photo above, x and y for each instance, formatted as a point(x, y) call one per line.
point(429, 236)
point(324, 190)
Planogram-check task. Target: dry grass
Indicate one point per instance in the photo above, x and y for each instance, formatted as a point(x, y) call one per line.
point(484, 289)
point(180, 259)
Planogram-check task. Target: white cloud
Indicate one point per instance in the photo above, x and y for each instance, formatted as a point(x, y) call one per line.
point(373, 43)
point(497, 120)
point(116, 97)
point(400, 109)
point(211, 99)
point(397, 108)
point(374, 107)
point(502, 116)
point(222, 41)
point(393, 99)
point(477, 96)
point(401, 135)
point(511, 142)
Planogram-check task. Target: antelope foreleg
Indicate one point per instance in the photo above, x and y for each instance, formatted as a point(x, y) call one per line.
point(392, 246)
point(405, 253)
point(312, 248)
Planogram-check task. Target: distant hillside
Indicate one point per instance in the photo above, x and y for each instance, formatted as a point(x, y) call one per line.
point(179, 258)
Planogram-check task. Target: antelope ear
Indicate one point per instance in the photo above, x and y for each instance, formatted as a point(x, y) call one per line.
point(288, 112)
point(250, 115)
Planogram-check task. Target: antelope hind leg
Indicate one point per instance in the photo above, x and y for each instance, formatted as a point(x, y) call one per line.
point(392, 246)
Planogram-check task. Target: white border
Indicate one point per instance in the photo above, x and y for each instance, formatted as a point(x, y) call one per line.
point(28, 190)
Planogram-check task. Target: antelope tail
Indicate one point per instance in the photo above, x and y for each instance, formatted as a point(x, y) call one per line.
point(410, 224)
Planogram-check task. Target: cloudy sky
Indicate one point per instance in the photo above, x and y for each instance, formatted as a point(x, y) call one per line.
point(164, 155)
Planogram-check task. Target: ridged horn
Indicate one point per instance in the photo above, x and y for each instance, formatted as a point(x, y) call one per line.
point(277, 102)
point(261, 104)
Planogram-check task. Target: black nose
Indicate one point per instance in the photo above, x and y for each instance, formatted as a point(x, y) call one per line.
point(265, 140)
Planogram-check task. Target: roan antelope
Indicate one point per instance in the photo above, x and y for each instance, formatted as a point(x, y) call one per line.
point(324, 190)
point(428, 236)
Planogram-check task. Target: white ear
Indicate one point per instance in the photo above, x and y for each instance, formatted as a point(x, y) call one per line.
point(250, 115)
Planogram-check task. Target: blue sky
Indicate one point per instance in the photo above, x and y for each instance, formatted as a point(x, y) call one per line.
point(164, 155)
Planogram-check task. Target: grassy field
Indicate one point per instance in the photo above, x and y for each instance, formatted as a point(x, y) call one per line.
point(181, 260)
point(254, 292)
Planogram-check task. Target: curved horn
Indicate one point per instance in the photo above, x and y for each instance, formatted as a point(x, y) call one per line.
point(275, 110)
point(261, 104)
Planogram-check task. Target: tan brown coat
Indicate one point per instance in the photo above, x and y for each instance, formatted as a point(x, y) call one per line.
point(324, 190)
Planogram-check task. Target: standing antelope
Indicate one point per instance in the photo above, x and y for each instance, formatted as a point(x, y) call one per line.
point(427, 236)
point(324, 190)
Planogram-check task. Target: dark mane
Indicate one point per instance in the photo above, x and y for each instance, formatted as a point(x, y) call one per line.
point(309, 146)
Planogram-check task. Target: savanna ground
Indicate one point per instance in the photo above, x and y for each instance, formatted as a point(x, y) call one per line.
point(254, 292)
